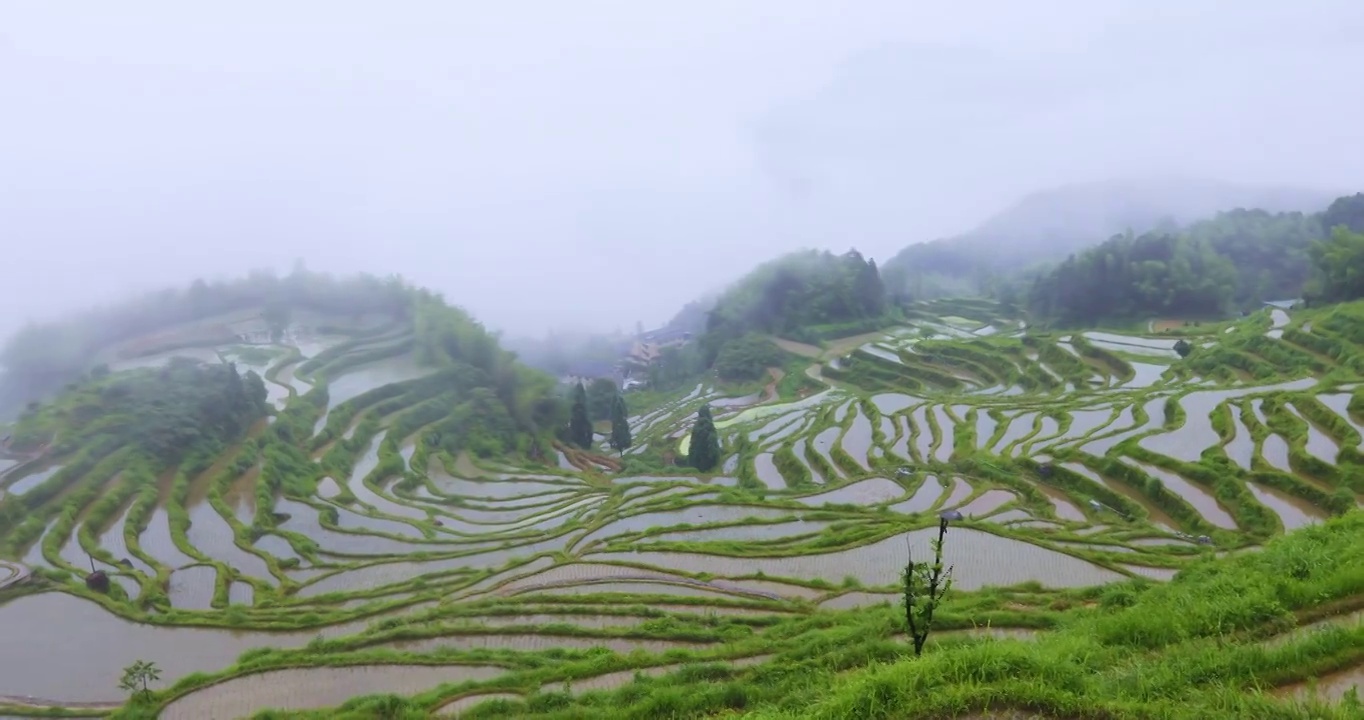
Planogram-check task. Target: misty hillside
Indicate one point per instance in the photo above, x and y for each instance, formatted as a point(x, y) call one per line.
point(1051, 224)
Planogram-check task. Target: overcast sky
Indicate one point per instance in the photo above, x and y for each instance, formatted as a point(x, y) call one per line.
point(590, 164)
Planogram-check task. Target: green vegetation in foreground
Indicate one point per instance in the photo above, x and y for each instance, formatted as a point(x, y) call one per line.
point(1212, 643)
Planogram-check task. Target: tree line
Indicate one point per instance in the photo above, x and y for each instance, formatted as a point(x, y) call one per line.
point(1236, 260)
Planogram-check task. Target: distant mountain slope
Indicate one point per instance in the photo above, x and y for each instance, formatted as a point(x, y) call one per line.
point(1051, 224)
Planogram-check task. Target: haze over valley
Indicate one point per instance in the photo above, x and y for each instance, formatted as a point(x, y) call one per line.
point(620, 361)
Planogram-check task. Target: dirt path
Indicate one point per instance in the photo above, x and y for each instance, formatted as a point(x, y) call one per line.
point(797, 348)
point(770, 392)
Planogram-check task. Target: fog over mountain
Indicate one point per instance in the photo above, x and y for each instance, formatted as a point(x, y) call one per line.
point(617, 158)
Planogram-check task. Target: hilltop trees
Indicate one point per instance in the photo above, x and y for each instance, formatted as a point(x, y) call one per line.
point(579, 424)
point(1339, 268)
point(167, 412)
point(747, 358)
point(1152, 274)
point(601, 394)
point(704, 453)
point(620, 425)
point(800, 296)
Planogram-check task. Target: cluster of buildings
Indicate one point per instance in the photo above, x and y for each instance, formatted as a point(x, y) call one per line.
point(632, 369)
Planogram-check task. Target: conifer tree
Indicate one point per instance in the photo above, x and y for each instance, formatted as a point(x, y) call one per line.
point(620, 425)
point(579, 425)
point(704, 453)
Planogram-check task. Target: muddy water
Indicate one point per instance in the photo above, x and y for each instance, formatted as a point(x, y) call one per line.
point(240, 593)
point(1241, 447)
point(371, 375)
point(864, 492)
point(1293, 512)
point(28, 482)
point(193, 587)
point(1158, 517)
point(788, 431)
point(1083, 422)
point(946, 426)
point(923, 498)
point(304, 521)
point(799, 449)
point(882, 353)
point(363, 467)
point(1154, 343)
point(694, 515)
point(1145, 375)
point(327, 488)
point(241, 496)
point(960, 491)
point(1017, 429)
point(378, 575)
point(634, 588)
point(492, 489)
point(842, 412)
point(1275, 452)
point(1340, 404)
point(891, 403)
point(1065, 509)
point(1278, 319)
point(985, 427)
point(765, 532)
point(1155, 413)
point(857, 441)
point(1318, 443)
point(211, 534)
point(85, 665)
point(313, 688)
point(360, 522)
point(1048, 432)
point(887, 427)
point(113, 541)
point(780, 423)
point(988, 502)
point(980, 558)
point(1188, 442)
point(535, 643)
point(1200, 499)
point(767, 472)
point(156, 542)
point(822, 444)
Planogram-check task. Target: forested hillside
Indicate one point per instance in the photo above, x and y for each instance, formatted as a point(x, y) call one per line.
point(384, 318)
point(1047, 226)
point(803, 296)
point(1234, 261)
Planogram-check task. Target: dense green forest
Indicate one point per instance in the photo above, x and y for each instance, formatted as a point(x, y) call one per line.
point(165, 412)
point(802, 296)
point(1236, 260)
point(1047, 226)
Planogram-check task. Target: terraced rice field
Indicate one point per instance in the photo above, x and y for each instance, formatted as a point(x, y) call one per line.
point(1074, 463)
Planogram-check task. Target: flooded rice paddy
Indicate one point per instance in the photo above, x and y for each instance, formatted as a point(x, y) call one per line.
point(494, 544)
